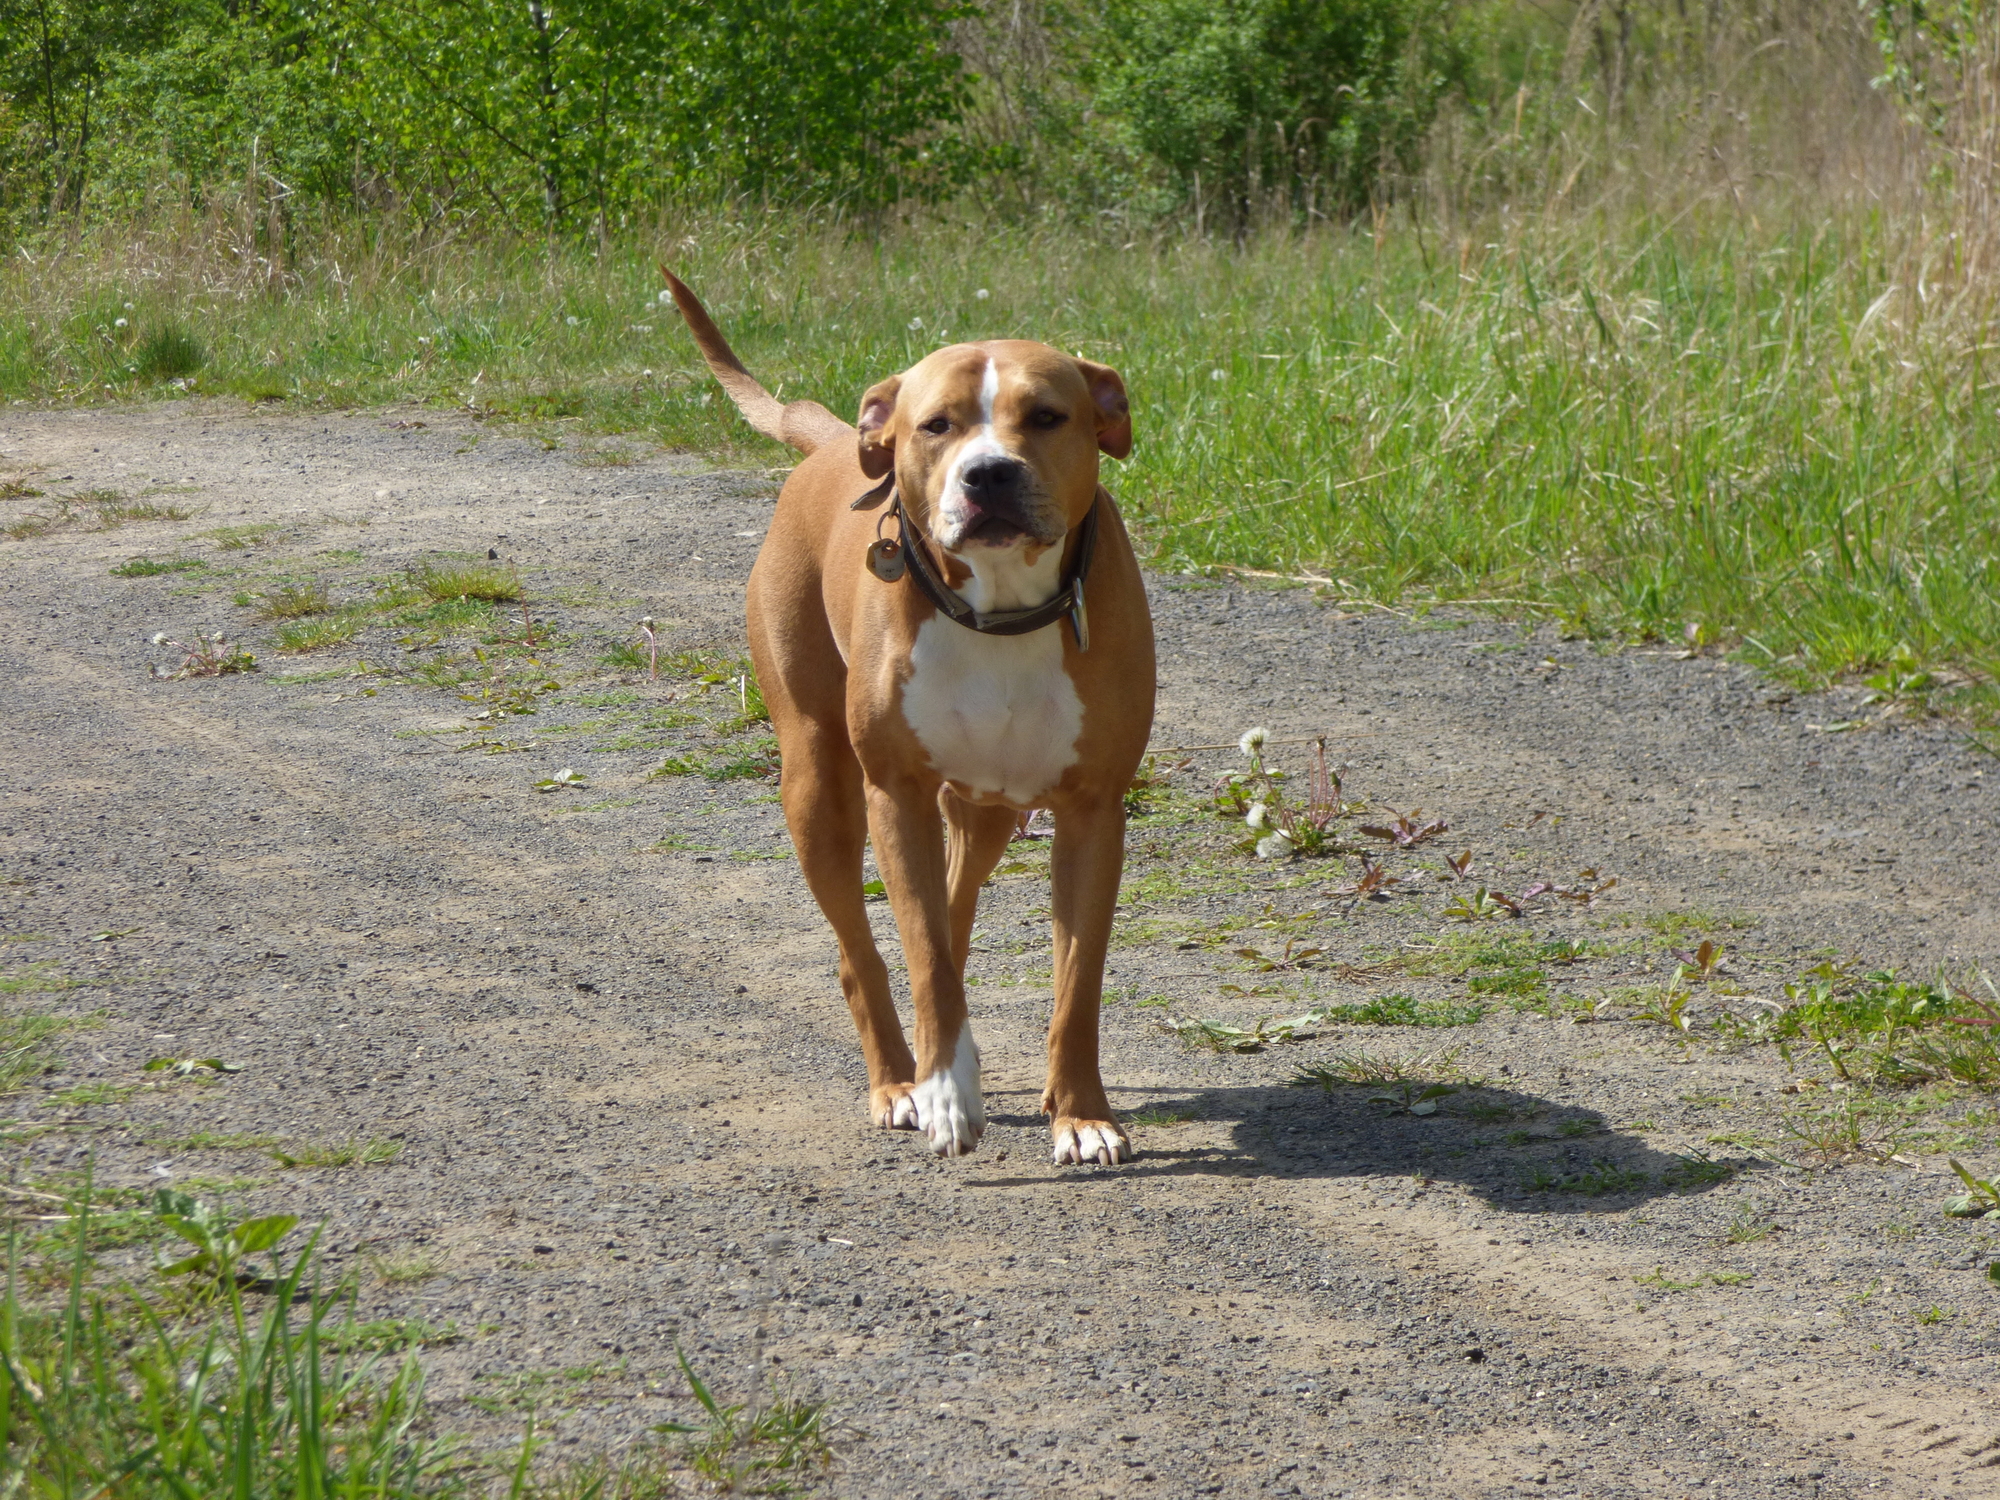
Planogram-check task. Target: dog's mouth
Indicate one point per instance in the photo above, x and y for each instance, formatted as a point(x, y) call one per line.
point(994, 531)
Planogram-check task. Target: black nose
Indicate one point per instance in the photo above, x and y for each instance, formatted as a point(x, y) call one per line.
point(993, 479)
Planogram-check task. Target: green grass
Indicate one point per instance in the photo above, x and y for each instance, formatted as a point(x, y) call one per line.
point(1637, 424)
point(349, 1153)
point(186, 1386)
point(444, 581)
point(24, 1049)
point(148, 567)
point(1401, 1010)
point(298, 637)
point(294, 602)
point(34, 979)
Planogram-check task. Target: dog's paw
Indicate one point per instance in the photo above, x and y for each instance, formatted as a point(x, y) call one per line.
point(1082, 1141)
point(950, 1109)
point(892, 1106)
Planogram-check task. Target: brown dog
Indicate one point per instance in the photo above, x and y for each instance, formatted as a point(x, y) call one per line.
point(950, 628)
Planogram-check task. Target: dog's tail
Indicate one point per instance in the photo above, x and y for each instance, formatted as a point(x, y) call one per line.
point(805, 425)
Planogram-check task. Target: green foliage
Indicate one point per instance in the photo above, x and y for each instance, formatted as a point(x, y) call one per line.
point(547, 115)
point(1299, 100)
point(147, 1391)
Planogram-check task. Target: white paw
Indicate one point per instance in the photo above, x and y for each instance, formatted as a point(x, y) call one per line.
point(903, 1113)
point(948, 1103)
point(1078, 1143)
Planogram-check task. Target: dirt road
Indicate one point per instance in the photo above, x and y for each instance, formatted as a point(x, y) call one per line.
point(601, 1019)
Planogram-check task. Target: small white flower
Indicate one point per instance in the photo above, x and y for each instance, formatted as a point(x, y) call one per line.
point(120, 323)
point(1215, 375)
point(647, 621)
point(1253, 740)
point(665, 298)
point(982, 294)
point(916, 324)
point(160, 639)
point(1274, 845)
point(217, 638)
point(572, 320)
point(644, 373)
point(1259, 815)
point(128, 307)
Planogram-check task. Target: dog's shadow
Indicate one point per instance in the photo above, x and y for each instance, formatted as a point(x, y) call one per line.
point(1519, 1152)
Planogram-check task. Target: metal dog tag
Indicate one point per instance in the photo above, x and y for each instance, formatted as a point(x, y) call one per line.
point(886, 560)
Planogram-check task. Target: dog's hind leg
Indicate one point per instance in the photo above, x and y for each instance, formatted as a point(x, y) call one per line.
point(978, 837)
point(827, 812)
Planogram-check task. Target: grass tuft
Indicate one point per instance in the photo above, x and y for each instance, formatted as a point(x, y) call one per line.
point(353, 1152)
point(294, 602)
point(441, 583)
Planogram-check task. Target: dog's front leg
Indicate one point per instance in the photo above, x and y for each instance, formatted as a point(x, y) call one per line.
point(1088, 858)
point(908, 831)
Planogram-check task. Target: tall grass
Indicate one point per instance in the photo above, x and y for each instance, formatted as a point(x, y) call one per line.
point(138, 1392)
point(1658, 380)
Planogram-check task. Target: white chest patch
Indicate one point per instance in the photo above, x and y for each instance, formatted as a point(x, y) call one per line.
point(997, 713)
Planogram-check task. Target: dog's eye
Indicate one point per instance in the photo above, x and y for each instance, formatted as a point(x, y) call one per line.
point(1046, 418)
point(938, 426)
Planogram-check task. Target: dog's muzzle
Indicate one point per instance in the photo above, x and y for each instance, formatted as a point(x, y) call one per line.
point(999, 502)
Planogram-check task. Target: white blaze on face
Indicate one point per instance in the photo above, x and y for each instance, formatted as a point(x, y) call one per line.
point(950, 1109)
point(997, 714)
point(1002, 577)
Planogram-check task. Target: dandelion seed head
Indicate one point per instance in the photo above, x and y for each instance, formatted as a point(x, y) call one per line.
point(982, 294)
point(1215, 375)
point(1253, 740)
point(120, 323)
point(916, 324)
point(1259, 815)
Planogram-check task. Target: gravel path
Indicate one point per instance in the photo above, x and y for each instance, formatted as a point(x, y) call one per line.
point(602, 1022)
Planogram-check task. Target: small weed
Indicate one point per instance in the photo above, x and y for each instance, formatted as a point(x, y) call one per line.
point(301, 637)
point(1932, 1316)
point(1837, 1134)
point(85, 1095)
point(386, 1335)
point(407, 1267)
point(209, 1140)
point(41, 978)
point(1151, 782)
point(353, 1152)
point(1519, 982)
point(1401, 1010)
point(205, 656)
point(147, 567)
point(238, 538)
point(1665, 1283)
point(1980, 1200)
point(1668, 1009)
point(1694, 1171)
point(1160, 1116)
point(1482, 905)
point(1406, 830)
point(736, 1443)
point(114, 511)
point(1602, 1177)
point(294, 602)
point(1748, 1225)
point(1366, 1070)
point(1280, 828)
point(18, 489)
point(439, 582)
point(24, 1050)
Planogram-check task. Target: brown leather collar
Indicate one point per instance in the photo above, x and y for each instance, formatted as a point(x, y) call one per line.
point(1068, 600)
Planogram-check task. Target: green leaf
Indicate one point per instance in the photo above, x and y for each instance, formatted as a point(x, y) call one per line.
point(261, 1234)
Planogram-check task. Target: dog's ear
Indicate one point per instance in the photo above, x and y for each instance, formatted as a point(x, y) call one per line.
point(878, 410)
point(1114, 412)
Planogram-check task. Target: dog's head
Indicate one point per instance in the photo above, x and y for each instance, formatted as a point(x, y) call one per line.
point(995, 445)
